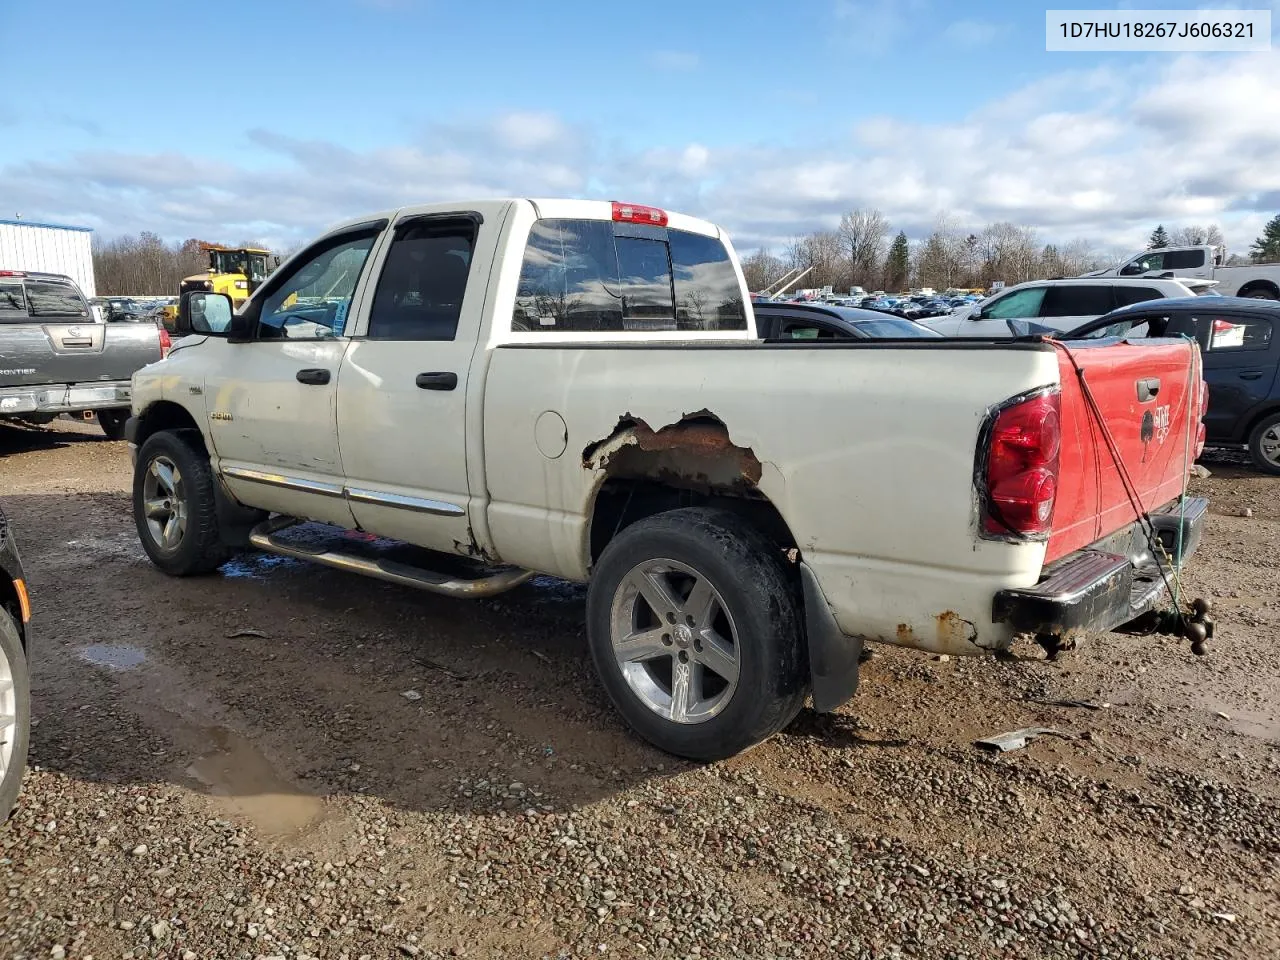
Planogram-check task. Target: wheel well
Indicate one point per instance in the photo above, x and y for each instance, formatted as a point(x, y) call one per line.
point(10, 604)
point(1266, 285)
point(1255, 420)
point(164, 415)
point(621, 502)
point(692, 462)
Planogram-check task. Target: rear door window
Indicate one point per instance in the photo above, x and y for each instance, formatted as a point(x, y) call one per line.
point(1236, 333)
point(1077, 300)
point(1126, 294)
point(594, 276)
point(1184, 259)
point(419, 295)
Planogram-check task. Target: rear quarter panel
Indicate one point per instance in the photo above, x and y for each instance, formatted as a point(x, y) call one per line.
point(866, 449)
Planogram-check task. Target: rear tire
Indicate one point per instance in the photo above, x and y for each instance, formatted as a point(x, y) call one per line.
point(731, 665)
point(1264, 444)
point(174, 507)
point(112, 423)
point(15, 714)
point(1261, 293)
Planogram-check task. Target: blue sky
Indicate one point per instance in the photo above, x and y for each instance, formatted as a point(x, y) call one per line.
point(770, 118)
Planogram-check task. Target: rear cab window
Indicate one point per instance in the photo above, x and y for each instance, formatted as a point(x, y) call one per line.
point(600, 276)
point(37, 299)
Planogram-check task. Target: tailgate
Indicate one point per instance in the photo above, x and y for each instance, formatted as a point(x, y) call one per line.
point(83, 352)
point(1149, 395)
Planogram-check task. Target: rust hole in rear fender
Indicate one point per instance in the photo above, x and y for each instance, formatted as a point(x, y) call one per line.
point(695, 452)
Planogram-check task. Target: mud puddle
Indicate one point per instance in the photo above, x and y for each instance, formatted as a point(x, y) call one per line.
point(239, 777)
point(256, 566)
point(113, 656)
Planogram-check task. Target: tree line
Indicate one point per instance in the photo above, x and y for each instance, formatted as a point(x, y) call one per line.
point(863, 251)
point(146, 265)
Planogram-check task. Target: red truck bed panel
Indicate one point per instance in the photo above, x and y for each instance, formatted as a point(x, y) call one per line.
point(1150, 434)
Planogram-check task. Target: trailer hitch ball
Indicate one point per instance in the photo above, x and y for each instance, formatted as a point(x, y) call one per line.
point(1197, 633)
point(1200, 608)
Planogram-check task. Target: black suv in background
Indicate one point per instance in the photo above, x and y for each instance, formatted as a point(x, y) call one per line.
point(15, 692)
point(1240, 341)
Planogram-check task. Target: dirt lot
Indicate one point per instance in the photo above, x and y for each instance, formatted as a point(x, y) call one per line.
point(285, 761)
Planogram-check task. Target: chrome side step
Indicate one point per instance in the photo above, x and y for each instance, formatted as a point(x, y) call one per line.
point(263, 536)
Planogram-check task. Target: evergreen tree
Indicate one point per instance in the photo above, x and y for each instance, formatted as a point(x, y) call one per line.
point(898, 265)
point(1267, 247)
point(1159, 238)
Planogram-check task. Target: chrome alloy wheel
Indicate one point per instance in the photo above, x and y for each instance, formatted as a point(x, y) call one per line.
point(674, 641)
point(1269, 444)
point(165, 504)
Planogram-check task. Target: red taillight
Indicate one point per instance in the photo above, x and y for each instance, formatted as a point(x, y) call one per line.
point(1022, 467)
point(165, 341)
point(12, 273)
point(634, 213)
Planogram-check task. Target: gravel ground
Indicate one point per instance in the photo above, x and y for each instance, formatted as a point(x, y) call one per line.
point(283, 761)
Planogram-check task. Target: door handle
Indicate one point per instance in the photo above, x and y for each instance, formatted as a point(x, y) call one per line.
point(313, 376)
point(437, 381)
point(1148, 388)
point(1251, 375)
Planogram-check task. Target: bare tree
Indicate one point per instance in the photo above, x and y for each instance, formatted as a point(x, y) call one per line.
point(762, 269)
point(862, 234)
point(1009, 253)
point(145, 265)
point(824, 253)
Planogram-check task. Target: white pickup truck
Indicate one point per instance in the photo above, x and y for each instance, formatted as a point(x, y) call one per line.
point(1258, 280)
point(575, 388)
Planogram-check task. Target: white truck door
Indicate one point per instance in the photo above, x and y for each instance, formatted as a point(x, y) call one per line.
point(271, 401)
point(402, 390)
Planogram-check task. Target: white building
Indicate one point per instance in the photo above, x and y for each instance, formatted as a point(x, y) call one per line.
point(48, 247)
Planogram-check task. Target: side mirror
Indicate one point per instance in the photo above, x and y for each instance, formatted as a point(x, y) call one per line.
point(206, 313)
point(1130, 270)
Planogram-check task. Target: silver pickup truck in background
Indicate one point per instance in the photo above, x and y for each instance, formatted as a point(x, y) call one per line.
point(57, 356)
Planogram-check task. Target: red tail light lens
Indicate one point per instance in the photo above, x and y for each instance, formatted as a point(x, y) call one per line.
point(165, 341)
point(1022, 467)
point(635, 213)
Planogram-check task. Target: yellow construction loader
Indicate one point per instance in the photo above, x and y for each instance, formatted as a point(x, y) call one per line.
point(235, 271)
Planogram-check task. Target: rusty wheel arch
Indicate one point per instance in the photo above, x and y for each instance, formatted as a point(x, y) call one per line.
point(691, 462)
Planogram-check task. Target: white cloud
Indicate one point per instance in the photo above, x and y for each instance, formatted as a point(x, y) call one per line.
point(526, 131)
point(676, 61)
point(876, 23)
point(1103, 153)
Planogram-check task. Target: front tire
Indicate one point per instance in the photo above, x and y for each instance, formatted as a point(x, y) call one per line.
point(15, 714)
point(694, 625)
point(112, 423)
point(1264, 445)
point(174, 507)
